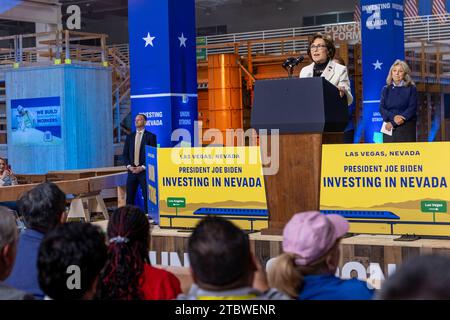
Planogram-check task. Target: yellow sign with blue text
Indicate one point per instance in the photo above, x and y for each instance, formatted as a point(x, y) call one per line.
point(222, 181)
point(388, 188)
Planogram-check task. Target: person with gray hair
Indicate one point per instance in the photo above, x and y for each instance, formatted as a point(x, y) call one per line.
point(8, 246)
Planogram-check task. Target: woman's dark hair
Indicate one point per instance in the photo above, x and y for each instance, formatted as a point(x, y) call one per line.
point(331, 49)
point(70, 245)
point(129, 235)
point(219, 253)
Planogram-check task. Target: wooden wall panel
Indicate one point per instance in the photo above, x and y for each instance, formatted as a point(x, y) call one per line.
point(380, 250)
point(295, 187)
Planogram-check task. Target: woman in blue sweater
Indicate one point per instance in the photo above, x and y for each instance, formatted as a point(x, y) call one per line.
point(398, 105)
point(307, 268)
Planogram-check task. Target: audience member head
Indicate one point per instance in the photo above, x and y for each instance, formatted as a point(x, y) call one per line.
point(398, 72)
point(321, 48)
point(219, 255)
point(311, 247)
point(70, 259)
point(129, 241)
point(420, 278)
point(43, 207)
point(8, 242)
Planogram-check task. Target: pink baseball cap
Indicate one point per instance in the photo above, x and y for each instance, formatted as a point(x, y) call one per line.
point(311, 234)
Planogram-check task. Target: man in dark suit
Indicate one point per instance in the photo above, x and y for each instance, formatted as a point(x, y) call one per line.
point(134, 157)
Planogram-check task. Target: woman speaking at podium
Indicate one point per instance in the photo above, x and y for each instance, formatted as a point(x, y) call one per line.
point(322, 50)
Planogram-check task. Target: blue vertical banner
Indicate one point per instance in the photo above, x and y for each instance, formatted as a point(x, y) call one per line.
point(382, 35)
point(424, 7)
point(163, 65)
point(151, 156)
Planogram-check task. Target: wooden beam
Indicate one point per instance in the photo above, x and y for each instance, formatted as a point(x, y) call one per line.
point(90, 34)
point(251, 42)
point(74, 186)
point(12, 193)
point(98, 179)
point(429, 118)
point(108, 181)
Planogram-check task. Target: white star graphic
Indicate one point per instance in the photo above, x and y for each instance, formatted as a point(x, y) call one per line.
point(182, 40)
point(377, 65)
point(149, 40)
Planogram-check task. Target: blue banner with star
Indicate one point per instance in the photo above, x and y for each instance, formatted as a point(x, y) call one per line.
point(163, 66)
point(382, 35)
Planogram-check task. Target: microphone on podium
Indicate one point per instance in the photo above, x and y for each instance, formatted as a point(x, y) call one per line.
point(291, 63)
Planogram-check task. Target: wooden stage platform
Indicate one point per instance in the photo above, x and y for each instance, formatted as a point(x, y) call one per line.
point(368, 257)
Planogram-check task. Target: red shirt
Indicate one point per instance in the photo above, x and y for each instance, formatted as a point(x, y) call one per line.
point(159, 284)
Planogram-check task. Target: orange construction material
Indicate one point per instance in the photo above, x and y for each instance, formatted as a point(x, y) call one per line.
point(203, 108)
point(225, 92)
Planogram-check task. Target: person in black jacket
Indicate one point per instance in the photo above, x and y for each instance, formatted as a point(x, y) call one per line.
point(134, 157)
point(398, 104)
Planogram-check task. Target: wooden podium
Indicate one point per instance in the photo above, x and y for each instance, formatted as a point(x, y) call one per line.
point(308, 113)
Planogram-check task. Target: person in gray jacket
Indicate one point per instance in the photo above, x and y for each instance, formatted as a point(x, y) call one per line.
point(8, 246)
point(222, 265)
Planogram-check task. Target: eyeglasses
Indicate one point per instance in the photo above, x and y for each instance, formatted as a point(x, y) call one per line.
point(319, 46)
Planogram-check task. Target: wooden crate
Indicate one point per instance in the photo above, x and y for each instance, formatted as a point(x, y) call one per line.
point(30, 178)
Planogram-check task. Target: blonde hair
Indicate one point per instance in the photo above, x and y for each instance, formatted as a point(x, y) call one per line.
point(288, 277)
point(406, 69)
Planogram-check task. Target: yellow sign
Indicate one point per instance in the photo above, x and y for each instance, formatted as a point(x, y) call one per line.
point(223, 181)
point(388, 188)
